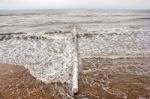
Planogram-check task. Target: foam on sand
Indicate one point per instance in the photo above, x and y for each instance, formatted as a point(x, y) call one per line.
point(48, 59)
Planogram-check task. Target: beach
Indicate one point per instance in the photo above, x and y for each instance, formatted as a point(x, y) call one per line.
point(112, 54)
point(17, 82)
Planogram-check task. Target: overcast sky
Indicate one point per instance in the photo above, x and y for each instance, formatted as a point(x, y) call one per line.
point(74, 4)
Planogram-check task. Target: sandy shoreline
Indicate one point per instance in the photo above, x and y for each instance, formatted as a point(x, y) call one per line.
point(17, 82)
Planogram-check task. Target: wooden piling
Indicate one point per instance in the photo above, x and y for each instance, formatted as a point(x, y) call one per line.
point(75, 63)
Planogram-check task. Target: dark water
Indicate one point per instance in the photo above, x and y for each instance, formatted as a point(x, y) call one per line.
point(55, 20)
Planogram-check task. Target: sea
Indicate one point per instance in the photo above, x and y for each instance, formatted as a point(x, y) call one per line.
point(27, 38)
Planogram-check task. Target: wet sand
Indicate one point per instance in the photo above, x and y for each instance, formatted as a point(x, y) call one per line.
point(96, 81)
point(116, 78)
point(17, 83)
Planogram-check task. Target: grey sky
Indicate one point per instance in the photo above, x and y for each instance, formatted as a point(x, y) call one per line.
point(74, 4)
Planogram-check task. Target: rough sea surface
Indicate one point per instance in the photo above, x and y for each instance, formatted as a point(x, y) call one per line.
point(112, 44)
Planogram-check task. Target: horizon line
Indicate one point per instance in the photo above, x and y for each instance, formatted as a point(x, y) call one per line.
point(70, 9)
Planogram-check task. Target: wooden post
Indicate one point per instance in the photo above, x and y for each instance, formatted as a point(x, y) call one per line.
point(75, 63)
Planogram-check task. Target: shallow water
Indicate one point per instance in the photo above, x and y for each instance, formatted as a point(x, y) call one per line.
point(35, 39)
point(49, 60)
